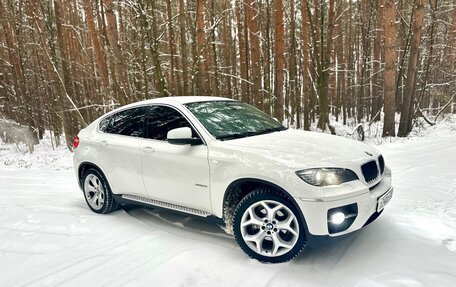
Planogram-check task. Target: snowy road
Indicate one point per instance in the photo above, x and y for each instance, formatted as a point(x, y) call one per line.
point(48, 237)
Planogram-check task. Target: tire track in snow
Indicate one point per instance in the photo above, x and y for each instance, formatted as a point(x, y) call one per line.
point(158, 222)
point(100, 254)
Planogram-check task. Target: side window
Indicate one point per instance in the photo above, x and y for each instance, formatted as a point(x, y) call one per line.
point(163, 119)
point(104, 123)
point(128, 123)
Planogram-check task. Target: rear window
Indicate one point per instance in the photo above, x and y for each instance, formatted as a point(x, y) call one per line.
point(128, 122)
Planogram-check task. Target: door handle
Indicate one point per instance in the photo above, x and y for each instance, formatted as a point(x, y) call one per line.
point(148, 149)
point(104, 143)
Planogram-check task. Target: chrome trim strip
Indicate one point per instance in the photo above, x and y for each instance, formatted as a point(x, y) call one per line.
point(311, 199)
point(166, 205)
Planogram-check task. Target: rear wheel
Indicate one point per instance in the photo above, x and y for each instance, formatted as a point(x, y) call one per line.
point(268, 228)
point(97, 192)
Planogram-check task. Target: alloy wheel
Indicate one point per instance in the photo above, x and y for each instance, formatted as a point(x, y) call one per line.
point(269, 228)
point(94, 191)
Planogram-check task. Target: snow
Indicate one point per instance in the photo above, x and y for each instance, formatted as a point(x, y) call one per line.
point(49, 237)
point(44, 156)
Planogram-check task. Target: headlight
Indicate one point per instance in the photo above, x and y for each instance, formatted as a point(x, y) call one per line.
point(326, 176)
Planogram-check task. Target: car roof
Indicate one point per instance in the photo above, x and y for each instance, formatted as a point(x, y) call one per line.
point(179, 100)
point(175, 101)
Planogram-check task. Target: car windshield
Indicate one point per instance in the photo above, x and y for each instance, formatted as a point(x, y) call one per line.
point(232, 119)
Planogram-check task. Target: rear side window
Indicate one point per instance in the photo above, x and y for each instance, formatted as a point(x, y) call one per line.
point(128, 123)
point(104, 123)
point(163, 119)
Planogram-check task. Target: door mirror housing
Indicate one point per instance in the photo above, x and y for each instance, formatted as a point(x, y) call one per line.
point(182, 136)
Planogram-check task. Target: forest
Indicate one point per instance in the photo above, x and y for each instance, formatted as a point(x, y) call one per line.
point(63, 63)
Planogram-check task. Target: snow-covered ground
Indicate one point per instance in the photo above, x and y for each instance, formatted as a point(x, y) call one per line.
point(48, 237)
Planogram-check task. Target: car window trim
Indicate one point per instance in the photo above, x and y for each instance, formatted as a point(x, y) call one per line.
point(145, 121)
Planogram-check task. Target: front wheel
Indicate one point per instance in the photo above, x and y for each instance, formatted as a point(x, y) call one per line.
point(268, 228)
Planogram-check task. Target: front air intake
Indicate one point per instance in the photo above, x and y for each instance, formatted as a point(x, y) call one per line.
point(370, 171)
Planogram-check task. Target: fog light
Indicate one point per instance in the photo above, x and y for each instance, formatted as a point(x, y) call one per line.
point(338, 218)
point(341, 218)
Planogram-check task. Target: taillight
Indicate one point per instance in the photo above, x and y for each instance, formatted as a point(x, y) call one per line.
point(76, 142)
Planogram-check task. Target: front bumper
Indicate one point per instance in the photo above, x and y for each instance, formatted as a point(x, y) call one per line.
point(365, 203)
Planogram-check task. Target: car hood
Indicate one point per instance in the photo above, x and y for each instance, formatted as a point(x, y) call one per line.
point(298, 148)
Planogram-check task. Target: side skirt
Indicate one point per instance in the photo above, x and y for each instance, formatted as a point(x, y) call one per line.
point(140, 200)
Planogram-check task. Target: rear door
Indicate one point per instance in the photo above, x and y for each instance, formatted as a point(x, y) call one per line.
point(120, 149)
point(177, 174)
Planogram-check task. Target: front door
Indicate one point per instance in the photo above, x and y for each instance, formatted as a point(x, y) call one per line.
point(177, 174)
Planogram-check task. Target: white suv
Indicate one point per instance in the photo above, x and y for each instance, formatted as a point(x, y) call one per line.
point(215, 157)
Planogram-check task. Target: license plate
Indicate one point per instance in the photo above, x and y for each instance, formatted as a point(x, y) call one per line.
point(384, 199)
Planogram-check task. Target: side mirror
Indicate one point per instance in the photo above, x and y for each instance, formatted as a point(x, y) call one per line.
point(182, 136)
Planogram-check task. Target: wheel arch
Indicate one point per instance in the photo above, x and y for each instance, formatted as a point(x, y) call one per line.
point(83, 166)
point(239, 188)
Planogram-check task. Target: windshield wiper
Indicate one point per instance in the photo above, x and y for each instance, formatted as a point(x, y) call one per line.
point(237, 136)
point(271, 130)
point(249, 134)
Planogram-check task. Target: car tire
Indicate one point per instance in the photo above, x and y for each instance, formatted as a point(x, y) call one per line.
point(97, 192)
point(268, 227)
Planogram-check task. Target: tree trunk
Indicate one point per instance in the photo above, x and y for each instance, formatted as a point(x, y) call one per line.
point(429, 56)
point(279, 56)
point(295, 103)
point(251, 13)
point(340, 65)
point(215, 83)
point(161, 86)
point(305, 65)
point(99, 53)
point(14, 63)
point(377, 79)
point(119, 66)
point(70, 124)
point(323, 71)
point(405, 124)
point(389, 101)
point(171, 82)
point(183, 46)
point(242, 54)
point(201, 46)
point(453, 45)
point(227, 50)
point(406, 28)
point(267, 54)
point(366, 17)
